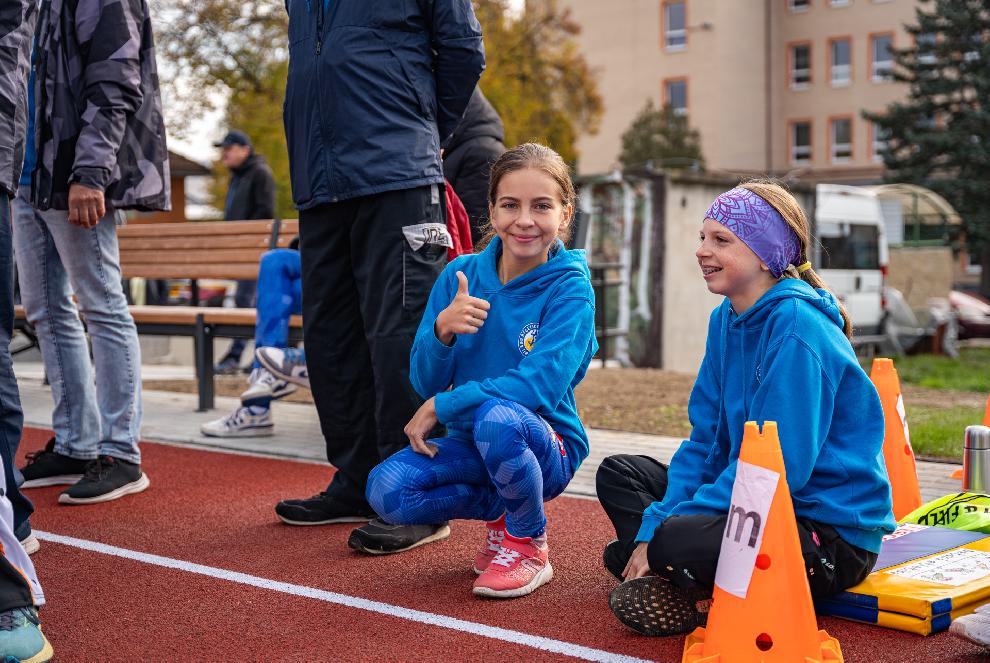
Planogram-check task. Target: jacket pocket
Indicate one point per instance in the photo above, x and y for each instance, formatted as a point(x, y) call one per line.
point(424, 255)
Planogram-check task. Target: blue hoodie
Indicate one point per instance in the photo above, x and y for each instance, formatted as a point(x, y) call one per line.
point(785, 359)
point(533, 349)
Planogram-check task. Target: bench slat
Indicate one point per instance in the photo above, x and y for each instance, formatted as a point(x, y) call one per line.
point(128, 244)
point(228, 272)
point(215, 257)
point(197, 228)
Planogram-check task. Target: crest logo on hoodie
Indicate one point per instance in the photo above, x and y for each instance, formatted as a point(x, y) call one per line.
point(527, 338)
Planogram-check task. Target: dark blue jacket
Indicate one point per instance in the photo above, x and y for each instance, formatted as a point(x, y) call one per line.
point(373, 88)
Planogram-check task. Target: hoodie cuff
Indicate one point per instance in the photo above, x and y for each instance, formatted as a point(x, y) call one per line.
point(91, 177)
point(648, 528)
point(437, 347)
point(443, 405)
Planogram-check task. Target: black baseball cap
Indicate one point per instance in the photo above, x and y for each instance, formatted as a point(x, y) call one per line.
point(234, 137)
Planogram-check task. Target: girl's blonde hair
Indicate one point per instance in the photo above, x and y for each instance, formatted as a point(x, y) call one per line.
point(539, 157)
point(782, 200)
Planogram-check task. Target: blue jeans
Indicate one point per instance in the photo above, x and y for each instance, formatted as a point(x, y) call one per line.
point(11, 417)
point(55, 259)
point(514, 464)
point(279, 297)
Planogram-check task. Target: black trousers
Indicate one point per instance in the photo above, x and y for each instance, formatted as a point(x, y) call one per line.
point(685, 549)
point(365, 283)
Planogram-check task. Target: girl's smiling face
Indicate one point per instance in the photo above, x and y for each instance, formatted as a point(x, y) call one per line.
point(730, 268)
point(527, 216)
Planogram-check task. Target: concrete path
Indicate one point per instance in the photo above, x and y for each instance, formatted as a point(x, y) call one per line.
point(172, 418)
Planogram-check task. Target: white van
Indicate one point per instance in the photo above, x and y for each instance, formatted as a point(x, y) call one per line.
point(851, 252)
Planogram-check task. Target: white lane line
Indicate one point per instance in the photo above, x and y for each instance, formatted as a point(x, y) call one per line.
point(443, 621)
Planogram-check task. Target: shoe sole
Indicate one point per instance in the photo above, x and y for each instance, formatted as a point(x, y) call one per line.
point(247, 397)
point(42, 656)
point(329, 521)
point(261, 431)
point(127, 489)
point(277, 371)
point(544, 576)
point(653, 606)
point(31, 544)
point(355, 543)
point(58, 480)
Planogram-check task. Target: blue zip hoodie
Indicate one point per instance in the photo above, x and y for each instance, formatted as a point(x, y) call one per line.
point(785, 359)
point(533, 349)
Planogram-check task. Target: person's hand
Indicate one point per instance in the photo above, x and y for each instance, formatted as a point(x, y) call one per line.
point(420, 426)
point(465, 315)
point(86, 206)
point(638, 565)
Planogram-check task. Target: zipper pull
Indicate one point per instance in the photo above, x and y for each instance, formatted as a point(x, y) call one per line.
point(319, 44)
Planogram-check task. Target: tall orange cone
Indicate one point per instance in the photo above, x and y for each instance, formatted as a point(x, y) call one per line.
point(897, 452)
point(762, 610)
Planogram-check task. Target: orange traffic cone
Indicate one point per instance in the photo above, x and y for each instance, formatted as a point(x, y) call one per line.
point(762, 610)
point(897, 452)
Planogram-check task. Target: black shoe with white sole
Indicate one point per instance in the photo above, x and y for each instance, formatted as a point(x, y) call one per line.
point(49, 468)
point(381, 538)
point(652, 605)
point(321, 509)
point(106, 478)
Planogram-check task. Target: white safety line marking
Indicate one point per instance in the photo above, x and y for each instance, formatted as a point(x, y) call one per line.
point(443, 621)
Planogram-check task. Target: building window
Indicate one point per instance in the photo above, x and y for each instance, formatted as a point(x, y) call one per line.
point(675, 94)
point(839, 3)
point(800, 69)
point(882, 66)
point(799, 5)
point(674, 25)
point(840, 56)
point(800, 141)
point(840, 139)
point(881, 137)
point(925, 42)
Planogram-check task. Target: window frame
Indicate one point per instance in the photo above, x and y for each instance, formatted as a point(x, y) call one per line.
point(875, 155)
point(798, 10)
point(665, 93)
point(832, 119)
point(832, 41)
point(791, 83)
point(792, 143)
point(872, 70)
point(673, 48)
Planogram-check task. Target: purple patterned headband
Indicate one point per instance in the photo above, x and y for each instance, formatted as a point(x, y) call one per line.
point(759, 226)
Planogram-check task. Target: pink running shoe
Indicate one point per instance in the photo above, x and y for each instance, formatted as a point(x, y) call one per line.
point(519, 567)
point(493, 543)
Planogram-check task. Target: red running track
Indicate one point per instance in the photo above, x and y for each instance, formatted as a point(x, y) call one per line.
point(215, 509)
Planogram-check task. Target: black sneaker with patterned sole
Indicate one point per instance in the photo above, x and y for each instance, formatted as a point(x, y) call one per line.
point(654, 606)
point(380, 538)
point(321, 509)
point(106, 478)
point(48, 468)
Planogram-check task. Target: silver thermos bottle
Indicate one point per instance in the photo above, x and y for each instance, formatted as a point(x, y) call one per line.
point(976, 460)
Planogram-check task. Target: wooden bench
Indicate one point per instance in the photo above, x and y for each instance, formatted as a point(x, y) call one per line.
point(198, 250)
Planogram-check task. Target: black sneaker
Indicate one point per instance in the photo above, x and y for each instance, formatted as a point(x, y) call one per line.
point(652, 605)
point(48, 468)
point(380, 538)
point(321, 509)
point(106, 478)
point(228, 366)
point(613, 559)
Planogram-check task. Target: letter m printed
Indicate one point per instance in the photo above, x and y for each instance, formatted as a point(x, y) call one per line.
point(743, 516)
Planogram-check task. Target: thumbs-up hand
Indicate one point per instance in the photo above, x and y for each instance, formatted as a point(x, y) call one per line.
point(465, 315)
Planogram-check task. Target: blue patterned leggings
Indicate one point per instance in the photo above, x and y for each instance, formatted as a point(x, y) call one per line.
point(512, 466)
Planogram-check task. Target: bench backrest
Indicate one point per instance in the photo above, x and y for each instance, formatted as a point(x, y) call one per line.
point(200, 250)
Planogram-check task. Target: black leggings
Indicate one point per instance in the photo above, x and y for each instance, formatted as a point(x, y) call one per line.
point(685, 549)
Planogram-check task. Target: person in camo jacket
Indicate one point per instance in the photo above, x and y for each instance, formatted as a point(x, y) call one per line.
point(97, 147)
point(21, 638)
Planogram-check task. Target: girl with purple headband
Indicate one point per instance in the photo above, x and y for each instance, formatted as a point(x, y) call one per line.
point(778, 350)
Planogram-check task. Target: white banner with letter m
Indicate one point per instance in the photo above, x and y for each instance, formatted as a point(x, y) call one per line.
point(752, 495)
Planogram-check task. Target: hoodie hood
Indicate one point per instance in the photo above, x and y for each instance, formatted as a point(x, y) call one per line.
point(561, 262)
point(480, 119)
point(788, 288)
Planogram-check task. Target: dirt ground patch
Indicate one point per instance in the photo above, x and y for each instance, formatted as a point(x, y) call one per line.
point(638, 400)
